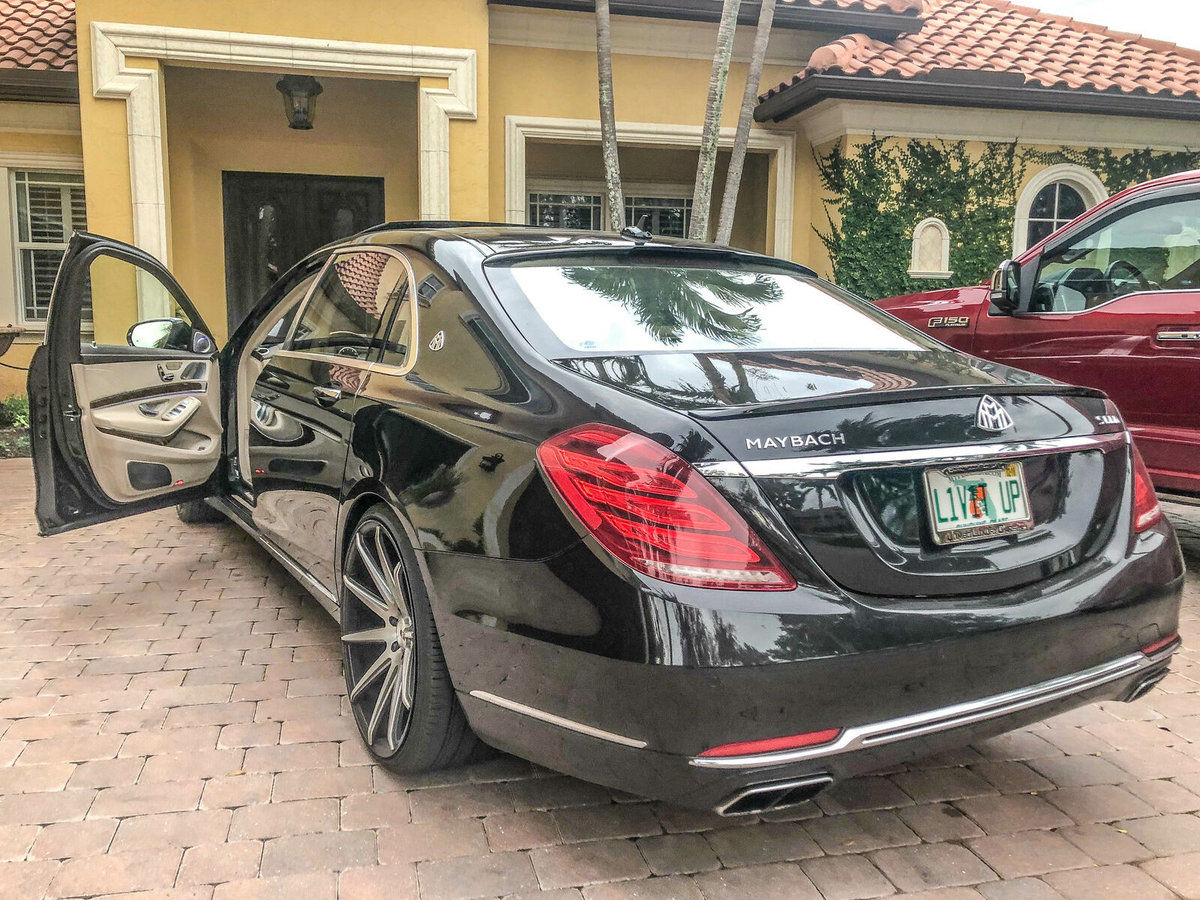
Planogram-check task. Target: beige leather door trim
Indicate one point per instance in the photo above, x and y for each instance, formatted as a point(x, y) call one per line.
point(125, 421)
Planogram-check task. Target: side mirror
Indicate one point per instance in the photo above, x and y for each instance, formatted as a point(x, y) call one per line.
point(1006, 287)
point(169, 334)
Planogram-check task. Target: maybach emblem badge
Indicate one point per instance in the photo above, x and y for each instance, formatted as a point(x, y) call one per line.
point(438, 342)
point(991, 416)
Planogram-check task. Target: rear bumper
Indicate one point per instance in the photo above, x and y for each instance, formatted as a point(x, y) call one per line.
point(900, 679)
point(946, 718)
point(730, 785)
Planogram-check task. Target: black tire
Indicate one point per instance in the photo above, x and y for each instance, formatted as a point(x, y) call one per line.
point(197, 512)
point(434, 733)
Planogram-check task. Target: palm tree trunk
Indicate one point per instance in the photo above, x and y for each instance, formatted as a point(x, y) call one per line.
point(608, 120)
point(702, 196)
point(737, 158)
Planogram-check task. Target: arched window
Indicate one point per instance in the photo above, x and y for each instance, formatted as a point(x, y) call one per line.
point(1053, 198)
point(930, 250)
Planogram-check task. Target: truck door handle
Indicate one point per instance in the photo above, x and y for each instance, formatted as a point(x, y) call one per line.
point(1181, 334)
point(327, 396)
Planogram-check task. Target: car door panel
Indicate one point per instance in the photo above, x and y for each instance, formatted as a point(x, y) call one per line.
point(134, 421)
point(304, 401)
point(107, 439)
point(298, 453)
point(1114, 304)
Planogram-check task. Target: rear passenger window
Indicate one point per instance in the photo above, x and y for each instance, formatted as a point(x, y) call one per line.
point(397, 347)
point(350, 306)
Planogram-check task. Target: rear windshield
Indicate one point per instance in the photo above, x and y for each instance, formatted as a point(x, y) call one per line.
point(600, 305)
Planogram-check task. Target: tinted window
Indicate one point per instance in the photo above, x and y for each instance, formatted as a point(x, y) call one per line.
point(400, 335)
point(354, 296)
point(1150, 248)
point(601, 305)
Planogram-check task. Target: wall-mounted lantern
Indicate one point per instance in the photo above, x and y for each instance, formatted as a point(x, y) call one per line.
point(299, 99)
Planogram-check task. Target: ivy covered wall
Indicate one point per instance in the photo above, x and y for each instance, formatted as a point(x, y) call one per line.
point(877, 191)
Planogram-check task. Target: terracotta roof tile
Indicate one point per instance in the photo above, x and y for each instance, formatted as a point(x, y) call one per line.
point(901, 7)
point(994, 35)
point(37, 34)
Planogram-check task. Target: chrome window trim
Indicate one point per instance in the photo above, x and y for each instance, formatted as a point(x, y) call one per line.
point(832, 467)
point(945, 718)
point(550, 718)
point(410, 362)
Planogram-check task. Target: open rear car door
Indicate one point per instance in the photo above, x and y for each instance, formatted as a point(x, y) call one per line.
point(121, 428)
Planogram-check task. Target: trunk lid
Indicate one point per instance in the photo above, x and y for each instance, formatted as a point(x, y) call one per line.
point(839, 444)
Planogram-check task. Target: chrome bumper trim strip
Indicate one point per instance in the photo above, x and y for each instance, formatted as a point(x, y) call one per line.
point(831, 467)
point(552, 719)
point(943, 719)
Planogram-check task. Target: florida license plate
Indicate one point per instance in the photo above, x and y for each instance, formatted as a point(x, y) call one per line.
point(973, 502)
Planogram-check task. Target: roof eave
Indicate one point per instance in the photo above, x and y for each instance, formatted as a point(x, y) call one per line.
point(974, 90)
point(884, 26)
point(39, 85)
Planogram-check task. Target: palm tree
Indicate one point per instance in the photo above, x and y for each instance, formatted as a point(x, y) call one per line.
point(737, 158)
point(670, 301)
point(702, 196)
point(608, 120)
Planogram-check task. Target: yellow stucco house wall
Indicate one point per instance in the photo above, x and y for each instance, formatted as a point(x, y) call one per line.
point(458, 109)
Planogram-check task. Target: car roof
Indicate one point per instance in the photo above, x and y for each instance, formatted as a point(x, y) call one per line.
point(492, 238)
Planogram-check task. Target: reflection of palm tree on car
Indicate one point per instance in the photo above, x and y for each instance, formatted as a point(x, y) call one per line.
point(670, 303)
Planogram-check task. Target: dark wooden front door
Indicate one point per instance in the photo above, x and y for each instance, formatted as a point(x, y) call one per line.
point(273, 220)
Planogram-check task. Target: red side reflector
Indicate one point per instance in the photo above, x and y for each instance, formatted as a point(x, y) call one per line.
point(1151, 649)
point(179, 483)
point(749, 748)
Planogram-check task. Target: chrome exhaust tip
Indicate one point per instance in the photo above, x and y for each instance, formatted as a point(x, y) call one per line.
point(1145, 686)
point(761, 798)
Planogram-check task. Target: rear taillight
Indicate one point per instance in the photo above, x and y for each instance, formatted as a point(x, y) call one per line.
point(655, 513)
point(1146, 511)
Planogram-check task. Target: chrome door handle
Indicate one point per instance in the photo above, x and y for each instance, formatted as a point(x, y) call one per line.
point(1182, 334)
point(327, 394)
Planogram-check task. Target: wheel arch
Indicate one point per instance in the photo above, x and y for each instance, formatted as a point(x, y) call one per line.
point(364, 495)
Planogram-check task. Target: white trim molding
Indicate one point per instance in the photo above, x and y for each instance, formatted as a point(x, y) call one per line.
point(833, 119)
point(943, 250)
point(112, 77)
point(519, 130)
point(1090, 188)
point(638, 36)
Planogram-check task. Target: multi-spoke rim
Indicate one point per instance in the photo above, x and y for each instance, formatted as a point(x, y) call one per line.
point(378, 637)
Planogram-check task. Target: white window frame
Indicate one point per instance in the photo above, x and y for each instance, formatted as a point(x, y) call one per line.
point(655, 190)
point(1086, 182)
point(943, 254)
point(11, 308)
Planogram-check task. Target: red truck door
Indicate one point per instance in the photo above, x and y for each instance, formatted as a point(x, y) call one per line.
point(1115, 305)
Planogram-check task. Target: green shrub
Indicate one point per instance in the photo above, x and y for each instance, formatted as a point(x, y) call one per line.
point(875, 194)
point(14, 412)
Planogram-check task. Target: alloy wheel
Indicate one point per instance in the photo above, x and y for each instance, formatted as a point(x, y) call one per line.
point(378, 637)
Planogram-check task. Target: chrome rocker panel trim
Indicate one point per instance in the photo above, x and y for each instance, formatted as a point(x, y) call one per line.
point(833, 466)
point(307, 581)
point(862, 737)
point(550, 718)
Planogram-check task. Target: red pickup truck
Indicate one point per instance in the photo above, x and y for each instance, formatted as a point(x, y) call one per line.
point(1110, 300)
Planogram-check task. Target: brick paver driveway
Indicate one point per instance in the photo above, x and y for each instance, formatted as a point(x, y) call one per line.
point(172, 722)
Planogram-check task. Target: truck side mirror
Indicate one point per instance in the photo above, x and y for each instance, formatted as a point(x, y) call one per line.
point(1006, 287)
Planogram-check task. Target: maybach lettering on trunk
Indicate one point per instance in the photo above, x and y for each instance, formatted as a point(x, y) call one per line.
point(797, 441)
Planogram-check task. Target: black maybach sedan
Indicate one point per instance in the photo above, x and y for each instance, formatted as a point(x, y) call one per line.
point(674, 518)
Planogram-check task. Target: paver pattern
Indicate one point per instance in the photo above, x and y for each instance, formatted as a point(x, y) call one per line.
point(172, 722)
